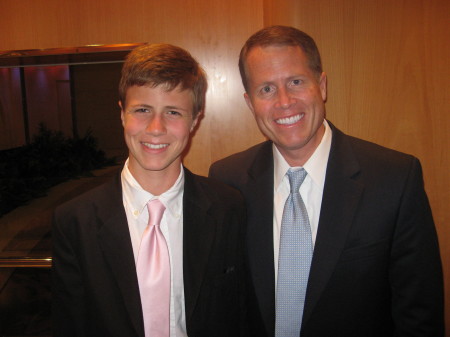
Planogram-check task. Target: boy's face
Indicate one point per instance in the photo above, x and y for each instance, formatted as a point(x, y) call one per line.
point(157, 124)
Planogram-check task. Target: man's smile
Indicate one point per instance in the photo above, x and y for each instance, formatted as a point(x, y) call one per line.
point(290, 120)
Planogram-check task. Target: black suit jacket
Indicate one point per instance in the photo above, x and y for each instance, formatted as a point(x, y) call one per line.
point(376, 268)
point(95, 285)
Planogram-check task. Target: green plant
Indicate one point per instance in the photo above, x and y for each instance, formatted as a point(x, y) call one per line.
point(29, 171)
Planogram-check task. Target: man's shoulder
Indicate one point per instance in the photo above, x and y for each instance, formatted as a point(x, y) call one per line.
point(368, 152)
point(372, 153)
point(241, 161)
point(212, 188)
point(245, 155)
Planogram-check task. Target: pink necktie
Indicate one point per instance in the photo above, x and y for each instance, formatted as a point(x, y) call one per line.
point(153, 270)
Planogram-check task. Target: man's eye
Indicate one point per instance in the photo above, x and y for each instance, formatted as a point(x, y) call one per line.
point(296, 82)
point(266, 90)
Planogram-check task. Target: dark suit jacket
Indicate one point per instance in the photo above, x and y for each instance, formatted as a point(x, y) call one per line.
point(95, 285)
point(376, 268)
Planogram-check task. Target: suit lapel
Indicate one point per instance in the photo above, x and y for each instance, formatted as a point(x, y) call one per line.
point(199, 229)
point(114, 239)
point(340, 199)
point(258, 191)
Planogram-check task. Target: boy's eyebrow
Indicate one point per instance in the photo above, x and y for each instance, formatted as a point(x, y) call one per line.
point(140, 105)
point(175, 107)
point(151, 107)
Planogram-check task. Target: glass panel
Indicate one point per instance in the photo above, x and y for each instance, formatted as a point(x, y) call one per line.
point(72, 91)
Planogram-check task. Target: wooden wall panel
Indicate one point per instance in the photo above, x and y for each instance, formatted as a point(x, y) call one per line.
point(48, 99)
point(213, 31)
point(388, 65)
point(12, 133)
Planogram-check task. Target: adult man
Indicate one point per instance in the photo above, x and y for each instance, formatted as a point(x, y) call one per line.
point(368, 246)
point(175, 269)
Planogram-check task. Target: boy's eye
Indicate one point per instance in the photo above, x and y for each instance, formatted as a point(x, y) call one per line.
point(141, 110)
point(173, 114)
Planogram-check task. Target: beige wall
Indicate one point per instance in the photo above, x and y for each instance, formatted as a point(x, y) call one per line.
point(388, 65)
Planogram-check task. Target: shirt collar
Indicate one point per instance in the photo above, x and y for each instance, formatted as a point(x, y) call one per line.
point(315, 166)
point(137, 198)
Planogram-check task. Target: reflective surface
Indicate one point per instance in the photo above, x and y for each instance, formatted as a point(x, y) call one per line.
point(25, 258)
point(68, 56)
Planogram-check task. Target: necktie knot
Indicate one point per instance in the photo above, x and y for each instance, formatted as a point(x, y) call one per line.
point(155, 212)
point(296, 178)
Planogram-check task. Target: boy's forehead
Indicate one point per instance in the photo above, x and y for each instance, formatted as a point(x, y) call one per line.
point(167, 87)
point(147, 93)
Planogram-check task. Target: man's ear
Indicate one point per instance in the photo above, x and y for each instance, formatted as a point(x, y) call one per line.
point(323, 85)
point(249, 103)
point(122, 113)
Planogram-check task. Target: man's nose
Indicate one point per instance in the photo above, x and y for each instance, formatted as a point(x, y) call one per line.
point(285, 99)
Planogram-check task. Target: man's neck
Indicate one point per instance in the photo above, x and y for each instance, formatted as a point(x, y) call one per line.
point(298, 157)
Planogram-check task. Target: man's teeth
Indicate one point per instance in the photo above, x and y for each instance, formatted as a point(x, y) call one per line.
point(289, 120)
point(155, 146)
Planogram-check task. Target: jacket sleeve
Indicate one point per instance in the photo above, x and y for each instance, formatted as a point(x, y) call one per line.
point(68, 303)
point(415, 269)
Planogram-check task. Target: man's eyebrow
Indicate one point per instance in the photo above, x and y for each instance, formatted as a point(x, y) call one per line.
point(263, 84)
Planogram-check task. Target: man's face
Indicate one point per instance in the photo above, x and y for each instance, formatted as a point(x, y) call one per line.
point(157, 124)
point(287, 100)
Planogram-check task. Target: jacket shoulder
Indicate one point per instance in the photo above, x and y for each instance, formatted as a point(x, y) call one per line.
point(237, 163)
point(216, 190)
point(370, 154)
point(104, 193)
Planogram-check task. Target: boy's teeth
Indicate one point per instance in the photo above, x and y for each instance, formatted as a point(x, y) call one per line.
point(155, 146)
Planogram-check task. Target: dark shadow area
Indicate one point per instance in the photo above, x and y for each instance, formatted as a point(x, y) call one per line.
point(25, 303)
point(25, 296)
point(61, 136)
point(25, 292)
point(29, 171)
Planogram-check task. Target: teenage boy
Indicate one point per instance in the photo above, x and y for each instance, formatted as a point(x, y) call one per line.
point(157, 251)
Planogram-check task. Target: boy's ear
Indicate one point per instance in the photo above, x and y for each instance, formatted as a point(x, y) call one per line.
point(196, 119)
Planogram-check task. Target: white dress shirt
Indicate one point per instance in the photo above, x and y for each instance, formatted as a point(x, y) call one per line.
point(135, 200)
point(311, 190)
